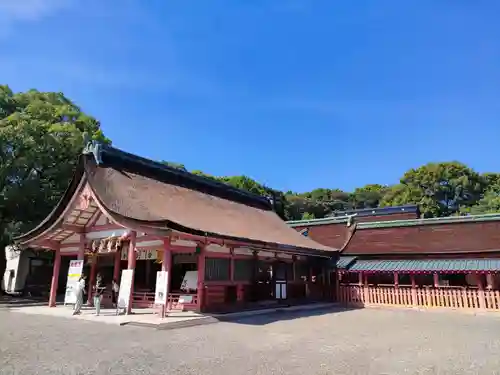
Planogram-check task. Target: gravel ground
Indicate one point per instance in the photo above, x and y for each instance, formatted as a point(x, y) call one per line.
point(369, 341)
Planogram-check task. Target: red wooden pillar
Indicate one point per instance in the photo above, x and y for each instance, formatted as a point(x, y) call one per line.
point(413, 290)
point(366, 292)
point(436, 280)
point(117, 266)
point(231, 267)
point(55, 278)
point(93, 272)
point(337, 276)
point(481, 296)
point(131, 265)
point(166, 265)
point(81, 247)
point(489, 281)
point(201, 279)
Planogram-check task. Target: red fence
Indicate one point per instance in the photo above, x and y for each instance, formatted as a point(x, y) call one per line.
point(460, 298)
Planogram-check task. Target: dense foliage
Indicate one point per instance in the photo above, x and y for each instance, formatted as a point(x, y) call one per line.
point(41, 135)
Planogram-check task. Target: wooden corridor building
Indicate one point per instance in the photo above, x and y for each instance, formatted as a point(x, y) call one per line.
point(451, 262)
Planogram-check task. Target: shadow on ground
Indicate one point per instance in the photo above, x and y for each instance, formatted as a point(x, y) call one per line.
point(284, 314)
point(8, 301)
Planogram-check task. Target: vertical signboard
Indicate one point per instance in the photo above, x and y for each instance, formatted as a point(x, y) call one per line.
point(161, 289)
point(125, 289)
point(74, 274)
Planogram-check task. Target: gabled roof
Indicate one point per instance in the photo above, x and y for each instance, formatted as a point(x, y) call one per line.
point(342, 216)
point(426, 265)
point(430, 221)
point(140, 193)
point(446, 235)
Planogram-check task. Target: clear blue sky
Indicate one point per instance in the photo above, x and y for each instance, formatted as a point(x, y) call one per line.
point(297, 94)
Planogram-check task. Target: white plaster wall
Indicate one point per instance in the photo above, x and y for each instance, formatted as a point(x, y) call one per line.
point(18, 262)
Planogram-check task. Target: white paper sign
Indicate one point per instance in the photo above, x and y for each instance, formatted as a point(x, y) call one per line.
point(125, 289)
point(74, 274)
point(185, 299)
point(190, 281)
point(161, 288)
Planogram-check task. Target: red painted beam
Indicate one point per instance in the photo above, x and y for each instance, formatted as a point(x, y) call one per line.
point(48, 244)
point(73, 228)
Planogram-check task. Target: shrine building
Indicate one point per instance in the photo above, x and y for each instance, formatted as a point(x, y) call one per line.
point(122, 211)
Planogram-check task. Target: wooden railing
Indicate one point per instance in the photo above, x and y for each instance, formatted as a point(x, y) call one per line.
point(175, 302)
point(143, 299)
point(459, 298)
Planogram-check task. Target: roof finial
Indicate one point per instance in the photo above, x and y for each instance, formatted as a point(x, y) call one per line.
point(92, 147)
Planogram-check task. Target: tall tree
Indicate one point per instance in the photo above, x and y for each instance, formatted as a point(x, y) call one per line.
point(440, 189)
point(368, 196)
point(490, 200)
point(41, 135)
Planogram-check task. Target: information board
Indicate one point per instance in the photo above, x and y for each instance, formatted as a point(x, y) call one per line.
point(161, 288)
point(74, 274)
point(190, 281)
point(125, 289)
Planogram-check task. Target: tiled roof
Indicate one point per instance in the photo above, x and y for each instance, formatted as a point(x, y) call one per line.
point(342, 216)
point(344, 262)
point(429, 221)
point(426, 265)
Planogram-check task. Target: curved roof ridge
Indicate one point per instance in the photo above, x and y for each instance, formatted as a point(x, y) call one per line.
point(103, 152)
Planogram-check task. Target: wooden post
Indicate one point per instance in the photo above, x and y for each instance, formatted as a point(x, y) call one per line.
point(55, 278)
point(201, 279)
point(489, 281)
point(166, 265)
point(81, 247)
point(337, 274)
point(436, 280)
point(93, 272)
point(131, 265)
point(481, 296)
point(117, 266)
point(414, 300)
point(147, 275)
point(366, 291)
point(231, 265)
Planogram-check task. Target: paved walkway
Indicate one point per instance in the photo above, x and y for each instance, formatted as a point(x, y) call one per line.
point(108, 316)
point(319, 342)
point(148, 318)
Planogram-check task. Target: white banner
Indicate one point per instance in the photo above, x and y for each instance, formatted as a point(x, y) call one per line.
point(74, 274)
point(125, 289)
point(161, 289)
point(190, 281)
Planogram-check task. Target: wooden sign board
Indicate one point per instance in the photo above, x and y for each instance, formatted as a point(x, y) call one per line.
point(161, 289)
point(74, 273)
point(125, 289)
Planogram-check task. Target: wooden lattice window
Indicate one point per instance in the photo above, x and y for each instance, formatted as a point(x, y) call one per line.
point(217, 269)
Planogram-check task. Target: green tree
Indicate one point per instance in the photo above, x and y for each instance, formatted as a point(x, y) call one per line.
point(368, 196)
point(440, 189)
point(41, 135)
point(245, 183)
point(307, 216)
point(175, 165)
point(490, 201)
